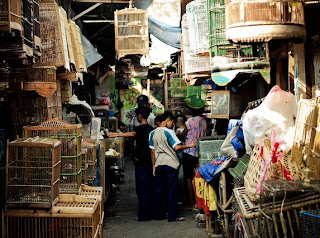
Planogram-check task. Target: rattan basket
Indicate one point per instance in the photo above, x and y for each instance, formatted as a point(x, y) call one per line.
point(256, 165)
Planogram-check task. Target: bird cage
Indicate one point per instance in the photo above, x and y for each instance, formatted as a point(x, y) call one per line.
point(225, 104)
point(196, 96)
point(33, 172)
point(262, 20)
point(41, 79)
point(131, 32)
point(192, 64)
point(72, 216)
point(78, 53)
point(198, 27)
point(10, 15)
point(178, 87)
point(209, 148)
point(36, 25)
point(91, 161)
point(52, 49)
point(70, 136)
point(84, 166)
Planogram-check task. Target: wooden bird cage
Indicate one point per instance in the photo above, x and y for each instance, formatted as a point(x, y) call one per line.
point(131, 32)
point(191, 63)
point(33, 172)
point(70, 136)
point(72, 216)
point(178, 87)
point(225, 105)
point(41, 79)
point(10, 15)
point(53, 52)
point(264, 20)
point(198, 27)
point(91, 161)
point(78, 53)
point(84, 166)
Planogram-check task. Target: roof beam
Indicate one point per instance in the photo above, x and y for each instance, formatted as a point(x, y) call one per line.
point(86, 11)
point(105, 1)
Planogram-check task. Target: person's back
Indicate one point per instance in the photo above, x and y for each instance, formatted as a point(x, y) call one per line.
point(142, 150)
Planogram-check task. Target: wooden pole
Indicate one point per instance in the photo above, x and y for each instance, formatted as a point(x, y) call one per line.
point(166, 95)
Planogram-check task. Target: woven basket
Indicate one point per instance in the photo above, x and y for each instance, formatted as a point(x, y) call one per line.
point(256, 166)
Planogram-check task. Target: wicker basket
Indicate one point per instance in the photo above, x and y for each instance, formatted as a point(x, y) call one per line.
point(256, 166)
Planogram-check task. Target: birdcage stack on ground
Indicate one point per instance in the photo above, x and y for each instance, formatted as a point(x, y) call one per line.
point(33, 172)
point(91, 161)
point(70, 137)
point(72, 216)
point(198, 27)
point(52, 49)
point(131, 32)
point(84, 166)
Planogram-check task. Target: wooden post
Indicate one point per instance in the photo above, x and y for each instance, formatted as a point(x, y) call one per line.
point(166, 96)
point(224, 201)
point(300, 67)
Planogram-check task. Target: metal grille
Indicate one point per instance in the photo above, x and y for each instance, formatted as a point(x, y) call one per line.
point(310, 221)
point(209, 148)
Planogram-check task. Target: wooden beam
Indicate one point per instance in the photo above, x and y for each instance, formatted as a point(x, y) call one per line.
point(86, 11)
point(105, 1)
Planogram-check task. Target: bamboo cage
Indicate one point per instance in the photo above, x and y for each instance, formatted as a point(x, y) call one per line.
point(178, 87)
point(264, 20)
point(131, 32)
point(225, 104)
point(91, 161)
point(53, 53)
point(76, 33)
point(198, 27)
point(33, 172)
point(72, 216)
point(10, 15)
point(73, 44)
point(36, 25)
point(191, 63)
point(84, 166)
point(69, 36)
point(70, 136)
point(41, 79)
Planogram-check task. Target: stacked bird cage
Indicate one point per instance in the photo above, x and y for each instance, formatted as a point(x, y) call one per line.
point(70, 136)
point(72, 216)
point(131, 32)
point(192, 63)
point(53, 52)
point(91, 161)
point(209, 148)
point(10, 15)
point(198, 27)
point(36, 25)
point(178, 87)
point(84, 166)
point(75, 34)
point(225, 104)
point(33, 172)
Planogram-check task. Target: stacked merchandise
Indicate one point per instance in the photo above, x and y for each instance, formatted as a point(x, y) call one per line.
point(33, 172)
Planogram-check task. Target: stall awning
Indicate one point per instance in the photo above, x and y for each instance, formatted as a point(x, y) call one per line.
point(224, 77)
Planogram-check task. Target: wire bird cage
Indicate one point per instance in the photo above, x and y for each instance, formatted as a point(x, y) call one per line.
point(33, 172)
point(225, 104)
point(72, 216)
point(70, 137)
point(310, 223)
point(131, 32)
point(209, 148)
point(192, 63)
point(53, 53)
point(198, 27)
point(178, 88)
point(196, 96)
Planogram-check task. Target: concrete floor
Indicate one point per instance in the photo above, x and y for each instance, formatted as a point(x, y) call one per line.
point(119, 217)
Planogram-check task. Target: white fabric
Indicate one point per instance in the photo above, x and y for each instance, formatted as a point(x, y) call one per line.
point(166, 11)
point(160, 52)
point(278, 111)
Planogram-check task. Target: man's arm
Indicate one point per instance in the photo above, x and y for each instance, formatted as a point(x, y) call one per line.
point(183, 147)
point(126, 134)
point(153, 159)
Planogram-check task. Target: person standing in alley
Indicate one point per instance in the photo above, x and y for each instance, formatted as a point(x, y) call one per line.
point(143, 164)
point(197, 127)
point(164, 144)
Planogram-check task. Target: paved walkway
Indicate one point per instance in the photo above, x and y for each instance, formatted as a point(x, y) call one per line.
point(119, 218)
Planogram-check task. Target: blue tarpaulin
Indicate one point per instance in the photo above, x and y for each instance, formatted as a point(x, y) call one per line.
point(142, 4)
point(91, 56)
point(167, 34)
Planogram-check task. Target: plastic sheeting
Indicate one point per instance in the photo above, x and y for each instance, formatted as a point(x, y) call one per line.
point(142, 4)
point(164, 32)
point(166, 11)
point(91, 56)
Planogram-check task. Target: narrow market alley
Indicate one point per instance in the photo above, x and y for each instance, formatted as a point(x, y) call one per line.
point(119, 217)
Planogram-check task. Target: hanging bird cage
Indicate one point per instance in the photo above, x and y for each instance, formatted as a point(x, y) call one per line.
point(178, 88)
point(33, 173)
point(70, 137)
point(131, 32)
point(10, 15)
point(192, 64)
point(198, 27)
point(78, 47)
point(196, 96)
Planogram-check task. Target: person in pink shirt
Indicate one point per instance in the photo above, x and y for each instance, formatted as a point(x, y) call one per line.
point(197, 127)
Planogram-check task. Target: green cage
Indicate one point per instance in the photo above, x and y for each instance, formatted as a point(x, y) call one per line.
point(70, 136)
point(196, 96)
point(178, 88)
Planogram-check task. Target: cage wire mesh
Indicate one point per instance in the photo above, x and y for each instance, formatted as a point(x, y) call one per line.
point(178, 88)
point(33, 172)
point(310, 222)
point(209, 148)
